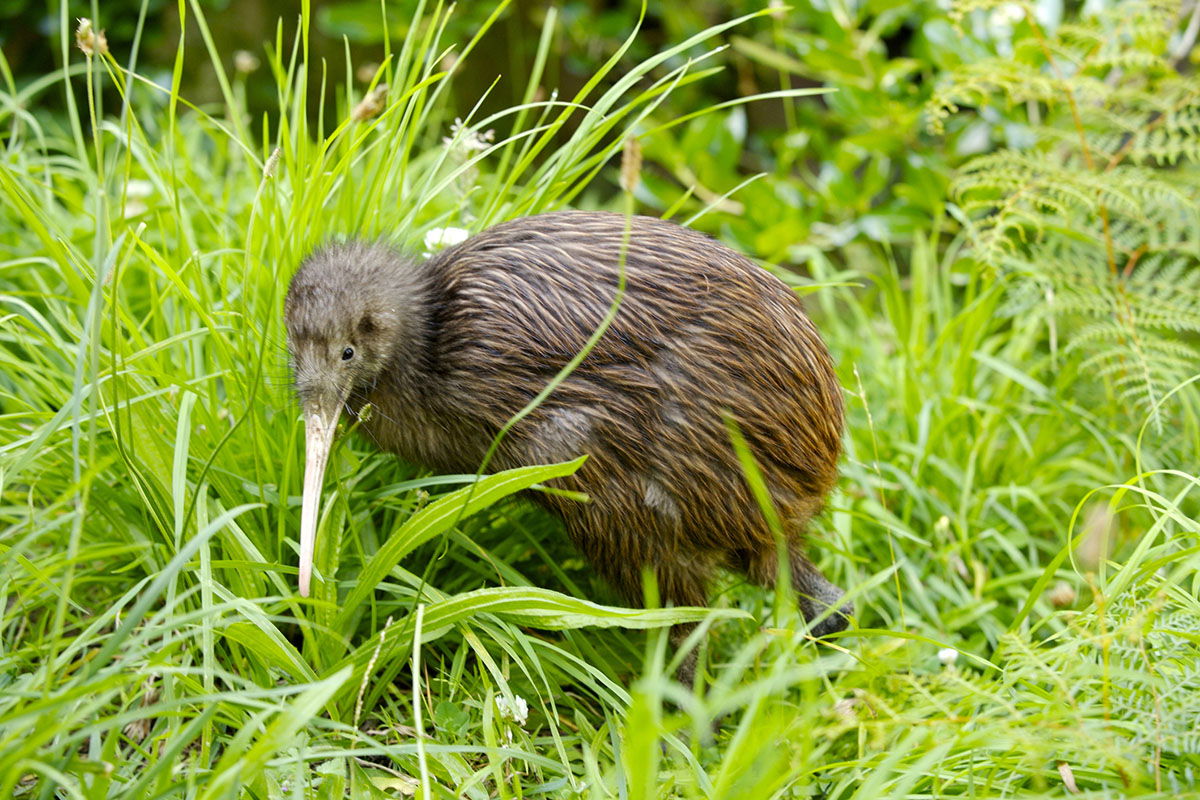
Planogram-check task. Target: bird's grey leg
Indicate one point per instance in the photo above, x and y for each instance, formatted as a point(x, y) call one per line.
point(816, 596)
point(684, 583)
point(814, 593)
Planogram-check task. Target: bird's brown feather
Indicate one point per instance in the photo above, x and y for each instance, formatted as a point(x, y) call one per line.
point(702, 336)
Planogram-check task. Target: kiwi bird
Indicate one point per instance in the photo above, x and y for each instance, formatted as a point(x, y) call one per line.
point(446, 350)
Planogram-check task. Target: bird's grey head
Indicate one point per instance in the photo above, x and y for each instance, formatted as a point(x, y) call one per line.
point(348, 308)
point(352, 311)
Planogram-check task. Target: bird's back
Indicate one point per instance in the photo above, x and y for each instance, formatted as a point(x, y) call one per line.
point(702, 336)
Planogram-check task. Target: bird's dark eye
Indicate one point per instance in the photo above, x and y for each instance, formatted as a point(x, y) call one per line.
point(348, 354)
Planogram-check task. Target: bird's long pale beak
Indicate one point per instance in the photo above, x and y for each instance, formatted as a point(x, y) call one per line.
point(318, 438)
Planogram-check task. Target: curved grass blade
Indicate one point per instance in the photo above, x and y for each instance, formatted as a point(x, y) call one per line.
point(440, 516)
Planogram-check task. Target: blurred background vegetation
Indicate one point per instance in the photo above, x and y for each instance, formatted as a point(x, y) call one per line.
point(856, 165)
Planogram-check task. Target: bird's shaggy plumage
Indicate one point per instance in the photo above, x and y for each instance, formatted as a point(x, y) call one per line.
point(453, 346)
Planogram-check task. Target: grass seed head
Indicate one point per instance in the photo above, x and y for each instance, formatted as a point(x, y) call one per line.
point(631, 164)
point(91, 41)
point(371, 105)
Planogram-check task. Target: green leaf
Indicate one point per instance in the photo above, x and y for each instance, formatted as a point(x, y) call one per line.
point(449, 718)
point(523, 605)
point(550, 610)
point(440, 516)
point(266, 642)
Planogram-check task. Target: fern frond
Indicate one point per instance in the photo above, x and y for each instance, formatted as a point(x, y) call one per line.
point(1097, 226)
point(978, 84)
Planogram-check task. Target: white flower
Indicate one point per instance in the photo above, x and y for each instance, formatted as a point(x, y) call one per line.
point(1008, 14)
point(516, 709)
point(366, 72)
point(468, 139)
point(947, 655)
point(136, 187)
point(245, 62)
point(439, 238)
point(136, 192)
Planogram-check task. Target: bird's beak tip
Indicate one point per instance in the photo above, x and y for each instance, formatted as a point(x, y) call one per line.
point(318, 439)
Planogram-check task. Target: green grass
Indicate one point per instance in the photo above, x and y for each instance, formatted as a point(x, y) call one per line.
point(152, 643)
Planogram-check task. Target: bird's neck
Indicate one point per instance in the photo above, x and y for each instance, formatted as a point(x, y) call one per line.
point(409, 364)
point(408, 417)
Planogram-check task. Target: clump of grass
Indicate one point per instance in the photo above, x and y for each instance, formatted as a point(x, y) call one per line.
point(151, 643)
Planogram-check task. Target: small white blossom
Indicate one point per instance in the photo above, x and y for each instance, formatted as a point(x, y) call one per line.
point(366, 72)
point(467, 138)
point(137, 187)
point(947, 655)
point(245, 62)
point(136, 192)
point(516, 709)
point(439, 238)
point(1008, 14)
